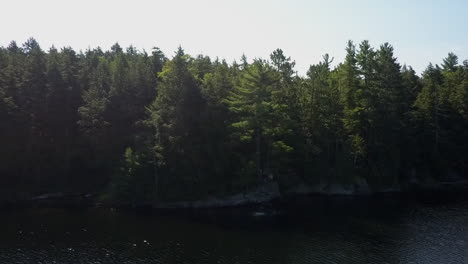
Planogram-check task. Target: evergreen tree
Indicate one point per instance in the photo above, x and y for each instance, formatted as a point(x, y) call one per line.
point(260, 118)
point(175, 116)
point(321, 114)
point(450, 63)
point(142, 128)
point(355, 115)
point(32, 100)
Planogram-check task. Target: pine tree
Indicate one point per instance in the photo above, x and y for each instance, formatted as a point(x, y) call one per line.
point(321, 114)
point(355, 115)
point(175, 116)
point(428, 105)
point(32, 100)
point(259, 117)
point(450, 63)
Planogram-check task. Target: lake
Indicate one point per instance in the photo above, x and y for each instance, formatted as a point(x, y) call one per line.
point(386, 229)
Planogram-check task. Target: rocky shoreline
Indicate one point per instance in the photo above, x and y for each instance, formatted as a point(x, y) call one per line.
point(271, 191)
point(265, 193)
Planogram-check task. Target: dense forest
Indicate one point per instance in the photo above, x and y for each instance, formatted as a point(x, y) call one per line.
point(141, 127)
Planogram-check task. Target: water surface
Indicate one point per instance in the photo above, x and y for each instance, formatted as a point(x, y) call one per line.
point(312, 230)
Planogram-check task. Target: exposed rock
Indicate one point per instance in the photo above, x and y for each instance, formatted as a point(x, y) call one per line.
point(48, 196)
point(361, 187)
point(453, 176)
point(340, 189)
point(390, 190)
point(262, 194)
point(303, 189)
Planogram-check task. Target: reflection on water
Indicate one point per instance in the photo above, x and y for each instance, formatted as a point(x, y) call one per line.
point(316, 230)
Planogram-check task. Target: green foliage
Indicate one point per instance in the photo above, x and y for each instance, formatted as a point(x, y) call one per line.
point(146, 128)
point(261, 119)
point(132, 184)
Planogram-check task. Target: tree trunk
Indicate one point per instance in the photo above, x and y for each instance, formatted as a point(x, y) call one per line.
point(258, 155)
point(156, 178)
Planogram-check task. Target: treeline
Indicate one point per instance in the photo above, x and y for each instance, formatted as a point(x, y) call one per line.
point(141, 127)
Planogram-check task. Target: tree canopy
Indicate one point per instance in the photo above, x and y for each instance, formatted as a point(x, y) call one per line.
point(141, 126)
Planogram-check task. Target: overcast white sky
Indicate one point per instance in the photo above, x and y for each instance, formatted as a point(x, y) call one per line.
point(421, 31)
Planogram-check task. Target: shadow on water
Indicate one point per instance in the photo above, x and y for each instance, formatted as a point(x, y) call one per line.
point(384, 229)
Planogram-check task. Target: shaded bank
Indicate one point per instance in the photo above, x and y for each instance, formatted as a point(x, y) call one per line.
point(267, 194)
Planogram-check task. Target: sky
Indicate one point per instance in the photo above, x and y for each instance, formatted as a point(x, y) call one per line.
point(421, 31)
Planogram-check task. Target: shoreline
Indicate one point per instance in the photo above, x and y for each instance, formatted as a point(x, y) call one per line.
point(263, 195)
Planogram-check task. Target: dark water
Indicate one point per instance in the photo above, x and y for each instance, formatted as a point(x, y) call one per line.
point(315, 230)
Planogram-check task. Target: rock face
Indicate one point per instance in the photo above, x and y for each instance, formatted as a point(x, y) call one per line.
point(62, 199)
point(360, 187)
point(270, 191)
point(339, 189)
point(262, 194)
point(48, 196)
